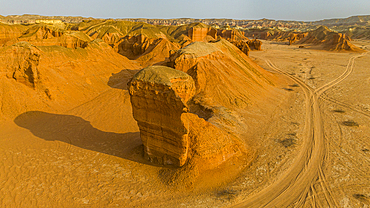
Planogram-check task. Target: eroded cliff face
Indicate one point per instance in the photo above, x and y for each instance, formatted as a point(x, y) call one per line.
point(159, 97)
point(54, 77)
point(184, 113)
point(221, 62)
point(255, 45)
point(146, 51)
point(170, 132)
point(23, 62)
point(341, 42)
point(199, 34)
point(134, 46)
point(108, 34)
point(294, 37)
point(329, 40)
point(231, 35)
point(10, 33)
point(243, 46)
point(47, 35)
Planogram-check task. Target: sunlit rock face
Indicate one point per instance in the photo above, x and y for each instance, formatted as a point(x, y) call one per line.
point(199, 34)
point(159, 97)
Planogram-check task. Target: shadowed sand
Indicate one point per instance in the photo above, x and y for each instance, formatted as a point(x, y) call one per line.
point(76, 131)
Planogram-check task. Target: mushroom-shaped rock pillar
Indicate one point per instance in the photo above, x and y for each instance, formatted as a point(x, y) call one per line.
point(159, 97)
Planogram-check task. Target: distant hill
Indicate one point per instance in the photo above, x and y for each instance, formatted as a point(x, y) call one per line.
point(241, 24)
point(329, 40)
point(354, 20)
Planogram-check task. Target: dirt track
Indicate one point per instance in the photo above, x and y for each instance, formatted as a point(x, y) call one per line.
point(299, 181)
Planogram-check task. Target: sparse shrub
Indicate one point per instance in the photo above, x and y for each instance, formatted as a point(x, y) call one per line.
point(339, 111)
point(287, 142)
point(361, 197)
point(350, 123)
point(227, 194)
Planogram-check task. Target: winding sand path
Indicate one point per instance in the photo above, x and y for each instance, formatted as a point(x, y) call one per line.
point(298, 181)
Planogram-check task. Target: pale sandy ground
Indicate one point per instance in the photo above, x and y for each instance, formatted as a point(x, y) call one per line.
point(90, 156)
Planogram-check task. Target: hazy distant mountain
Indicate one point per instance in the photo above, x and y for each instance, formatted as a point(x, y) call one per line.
point(239, 24)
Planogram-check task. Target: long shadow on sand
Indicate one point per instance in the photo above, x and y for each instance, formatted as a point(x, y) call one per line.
point(78, 132)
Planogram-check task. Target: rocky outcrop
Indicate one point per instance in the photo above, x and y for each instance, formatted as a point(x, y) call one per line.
point(108, 34)
point(294, 37)
point(239, 40)
point(23, 67)
point(210, 146)
point(134, 46)
point(276, 35)
point(255, 44)
point(243, 46)
point(210, 64)
point(329, 40)
point(320, 38)
point(69, 40)
point(46, 35)
point(10, 33)
point(341, 42)
point(171, 134)
point(231, 35)
point(248, 45)
point(50, 77)
point(185, 116)
point(41, 31)
point(159, 97)
point(146, 51)
point(199, 34)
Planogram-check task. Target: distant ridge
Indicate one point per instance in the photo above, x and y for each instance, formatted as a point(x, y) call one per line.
point(353, 20)
point(358, 20)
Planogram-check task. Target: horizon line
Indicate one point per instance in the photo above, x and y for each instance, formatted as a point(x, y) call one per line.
point(201, 18)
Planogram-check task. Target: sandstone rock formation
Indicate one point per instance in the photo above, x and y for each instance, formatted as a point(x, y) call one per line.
point(221, 62)
point(46, 35)
point(341, 42)
point(199, 34)
point(329, 40)
point(243, 46)
point(55, 77)
point(172, 135)
point(239, 40)
point(146, 51)
point(183, 113)
point(254, 44)
point(294, 37)
point(276, 35)
point(42, 31)
point(134, 46)
point(109, 34)
point(231, 35)
point(23, 67)
point(10, 33)
point(141, 42)
point(321, 38)
point(159, 97)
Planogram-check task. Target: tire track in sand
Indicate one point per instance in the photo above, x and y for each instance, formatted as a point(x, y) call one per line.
point(293, 187)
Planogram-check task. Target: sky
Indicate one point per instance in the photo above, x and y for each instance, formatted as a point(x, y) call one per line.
point(163, 9)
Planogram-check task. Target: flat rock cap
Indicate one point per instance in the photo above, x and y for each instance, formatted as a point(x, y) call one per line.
point(160, 75)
